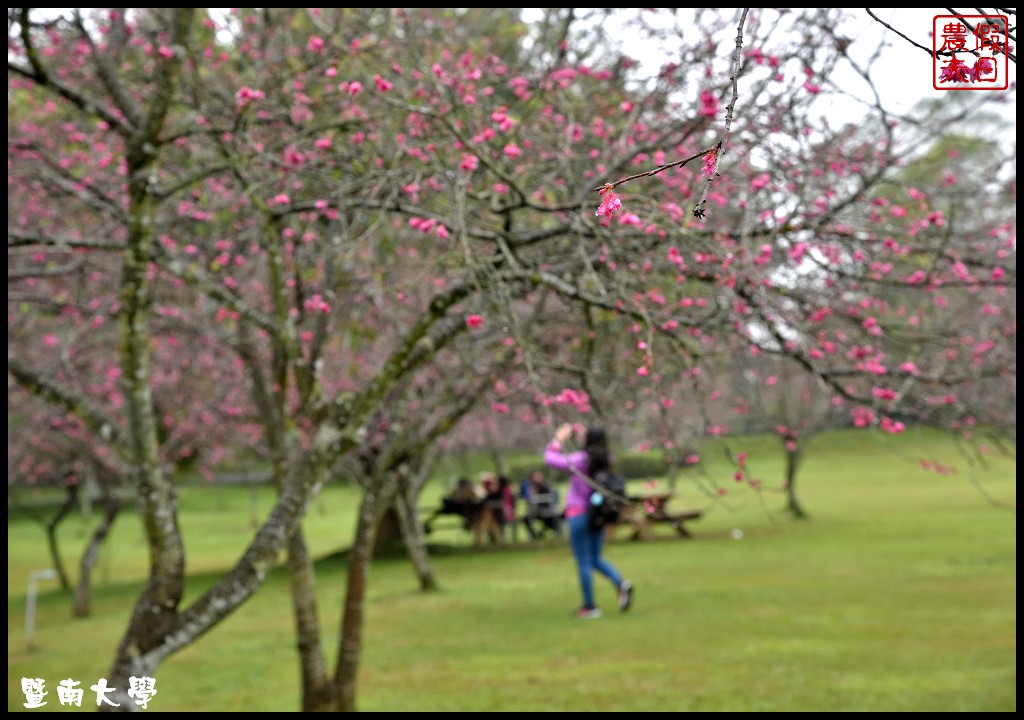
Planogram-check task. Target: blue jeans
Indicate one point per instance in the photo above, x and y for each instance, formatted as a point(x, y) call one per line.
point(586, 548)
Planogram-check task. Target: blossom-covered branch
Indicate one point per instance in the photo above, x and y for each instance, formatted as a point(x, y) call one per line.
point(661, 168)
point(698, 208)
point(712, 155)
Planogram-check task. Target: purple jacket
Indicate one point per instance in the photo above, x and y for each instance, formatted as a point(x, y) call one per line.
point(578, 496)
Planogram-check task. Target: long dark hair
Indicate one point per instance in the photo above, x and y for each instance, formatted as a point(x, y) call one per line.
point(596, 447)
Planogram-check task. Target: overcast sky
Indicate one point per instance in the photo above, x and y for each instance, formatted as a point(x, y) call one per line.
point(902, 74)
point(906, 74)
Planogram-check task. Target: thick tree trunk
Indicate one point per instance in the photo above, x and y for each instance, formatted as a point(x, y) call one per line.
point(154, 616)
point(375, 500)
point(316, 691)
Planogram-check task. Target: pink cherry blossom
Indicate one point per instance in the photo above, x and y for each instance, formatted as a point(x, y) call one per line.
point(708, 104)
point(710, 160)
point(609, 203)
point(891, 426)
point(760, 182)
point(580, 400)
point(983, 66)
point(862, 417)
point(316, 303)
point(246, 95)
point(883, 393)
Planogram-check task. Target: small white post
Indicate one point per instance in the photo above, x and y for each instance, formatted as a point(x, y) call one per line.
point(30, 603)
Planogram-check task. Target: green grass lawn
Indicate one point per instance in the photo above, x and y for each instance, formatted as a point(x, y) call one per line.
point(897, 594)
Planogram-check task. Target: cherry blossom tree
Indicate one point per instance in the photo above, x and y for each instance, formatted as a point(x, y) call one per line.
point(335, 240)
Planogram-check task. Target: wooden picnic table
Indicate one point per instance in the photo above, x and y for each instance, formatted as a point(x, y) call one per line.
point(644, 512)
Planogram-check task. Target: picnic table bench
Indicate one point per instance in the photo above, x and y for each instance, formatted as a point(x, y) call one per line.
point(643, 512)
point(480, 516)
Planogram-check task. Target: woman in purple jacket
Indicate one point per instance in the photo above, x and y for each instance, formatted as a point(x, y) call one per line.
point(586, 543)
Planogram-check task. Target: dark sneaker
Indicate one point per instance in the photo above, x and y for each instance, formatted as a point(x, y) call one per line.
point(588, 613)
point(625, 595)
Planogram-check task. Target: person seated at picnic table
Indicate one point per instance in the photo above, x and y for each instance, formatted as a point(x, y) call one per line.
point(492, 518)
point(541, 505)
point(465, 499)
point(507, 516)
